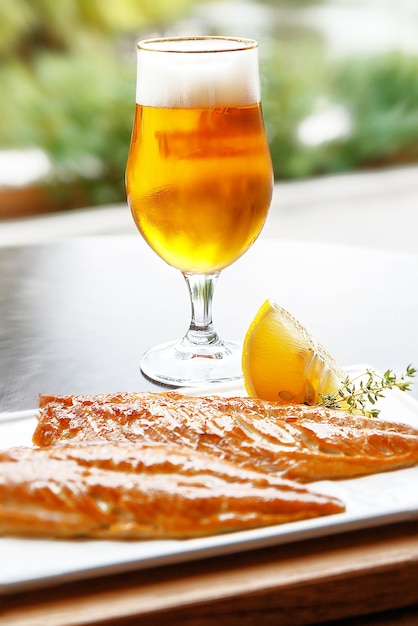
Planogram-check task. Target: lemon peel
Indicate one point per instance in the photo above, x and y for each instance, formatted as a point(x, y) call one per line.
point(283, 362)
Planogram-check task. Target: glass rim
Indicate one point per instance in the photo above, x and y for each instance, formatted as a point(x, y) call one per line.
point(151, 45)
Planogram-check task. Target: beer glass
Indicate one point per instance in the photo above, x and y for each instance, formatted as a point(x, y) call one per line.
point(199, 183)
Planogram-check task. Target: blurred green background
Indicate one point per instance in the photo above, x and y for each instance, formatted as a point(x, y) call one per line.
point(339, 82)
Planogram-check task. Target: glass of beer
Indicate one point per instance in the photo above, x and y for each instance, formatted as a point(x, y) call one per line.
point(199, 183)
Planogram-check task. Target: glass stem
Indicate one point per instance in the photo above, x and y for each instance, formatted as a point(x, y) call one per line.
point(201, 288)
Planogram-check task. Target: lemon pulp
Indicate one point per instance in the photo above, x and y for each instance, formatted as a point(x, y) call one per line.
point(283, 362)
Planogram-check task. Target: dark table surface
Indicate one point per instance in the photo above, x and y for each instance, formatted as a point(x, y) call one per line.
point(75, 317)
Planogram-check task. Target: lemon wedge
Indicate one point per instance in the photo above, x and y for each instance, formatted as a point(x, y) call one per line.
point(281, 361)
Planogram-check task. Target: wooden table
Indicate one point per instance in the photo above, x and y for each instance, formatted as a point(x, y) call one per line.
point(75, 317)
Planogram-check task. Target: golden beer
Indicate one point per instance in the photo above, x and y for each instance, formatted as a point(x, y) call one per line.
point(199, 182)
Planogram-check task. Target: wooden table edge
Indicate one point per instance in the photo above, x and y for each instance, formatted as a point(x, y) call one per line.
point(307, 582)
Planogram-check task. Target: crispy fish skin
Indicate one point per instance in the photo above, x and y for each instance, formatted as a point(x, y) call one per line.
point(295, 441)
point(139, 491)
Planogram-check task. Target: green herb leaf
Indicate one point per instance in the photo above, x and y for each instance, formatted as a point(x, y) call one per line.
point(354, 394)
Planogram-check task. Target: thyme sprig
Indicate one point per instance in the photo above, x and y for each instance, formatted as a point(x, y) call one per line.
point(355, 395)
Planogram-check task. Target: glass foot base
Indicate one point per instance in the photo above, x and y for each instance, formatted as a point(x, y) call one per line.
point(179, 364)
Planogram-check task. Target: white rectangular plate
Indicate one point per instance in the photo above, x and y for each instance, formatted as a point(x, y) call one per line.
point(370, 501)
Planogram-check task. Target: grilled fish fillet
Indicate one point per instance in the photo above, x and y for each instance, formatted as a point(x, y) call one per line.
point(296, 441)
point(126, 490)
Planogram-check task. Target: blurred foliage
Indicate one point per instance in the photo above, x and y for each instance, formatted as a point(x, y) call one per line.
point(292, 77)
point(26, 26)
point(80, 113)
point(380, 94)
point(68, 73)
point(70, 89)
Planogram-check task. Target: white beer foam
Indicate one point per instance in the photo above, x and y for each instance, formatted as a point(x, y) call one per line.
point(193, 77)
